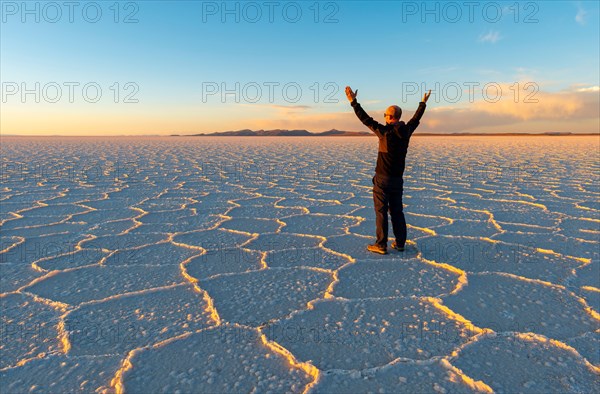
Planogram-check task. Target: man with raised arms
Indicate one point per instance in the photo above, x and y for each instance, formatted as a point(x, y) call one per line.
point(387, 182)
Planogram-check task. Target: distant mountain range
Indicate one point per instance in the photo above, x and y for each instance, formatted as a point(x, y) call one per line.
point(341, 133)
point(284, 133)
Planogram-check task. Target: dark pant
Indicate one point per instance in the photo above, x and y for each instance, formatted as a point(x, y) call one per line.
point(387, 195)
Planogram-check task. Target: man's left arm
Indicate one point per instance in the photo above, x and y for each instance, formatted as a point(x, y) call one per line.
point(414, 122)
point(368, 121)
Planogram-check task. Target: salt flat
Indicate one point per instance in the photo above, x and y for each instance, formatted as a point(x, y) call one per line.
point(212, 264)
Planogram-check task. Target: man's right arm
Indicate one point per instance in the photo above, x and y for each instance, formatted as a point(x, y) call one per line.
point(414, 122)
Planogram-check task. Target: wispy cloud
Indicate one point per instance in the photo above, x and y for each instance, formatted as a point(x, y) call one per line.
point(491, 36)
point(526, 74)
point(291, 107)
point(277, 106)
point(581, 15)
point(589, 89)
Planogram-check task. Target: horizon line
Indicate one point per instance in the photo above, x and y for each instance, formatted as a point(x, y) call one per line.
point(362, 134)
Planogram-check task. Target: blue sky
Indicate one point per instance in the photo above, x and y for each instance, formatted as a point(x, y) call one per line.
point(175, 52)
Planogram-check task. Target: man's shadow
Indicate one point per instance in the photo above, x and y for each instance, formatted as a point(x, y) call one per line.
point(410, 251)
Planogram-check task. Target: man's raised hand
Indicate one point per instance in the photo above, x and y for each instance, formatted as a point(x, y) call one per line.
point(350, 94)
point(426, 96)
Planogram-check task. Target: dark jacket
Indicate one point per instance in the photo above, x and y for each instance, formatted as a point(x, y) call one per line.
point(393, 140)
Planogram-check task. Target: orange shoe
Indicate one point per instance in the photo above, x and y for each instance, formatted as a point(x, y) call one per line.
point(377, 249)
